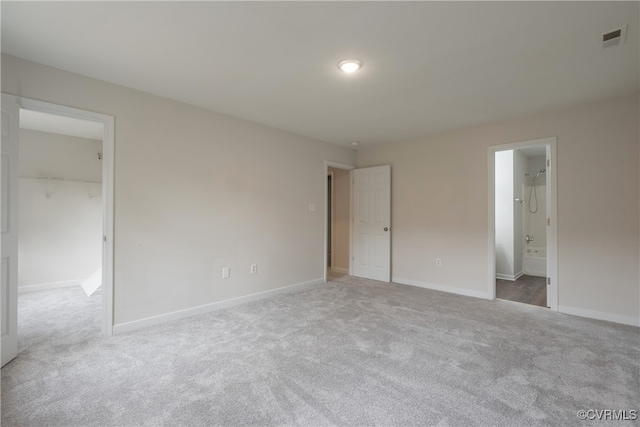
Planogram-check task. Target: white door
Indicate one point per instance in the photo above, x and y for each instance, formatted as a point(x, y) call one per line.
point(372, 223)
point(9, 208)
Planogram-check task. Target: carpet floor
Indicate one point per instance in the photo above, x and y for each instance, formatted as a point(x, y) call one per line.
point(350, 352)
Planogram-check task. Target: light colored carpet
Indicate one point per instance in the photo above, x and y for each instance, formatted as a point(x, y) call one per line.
point(351, 352)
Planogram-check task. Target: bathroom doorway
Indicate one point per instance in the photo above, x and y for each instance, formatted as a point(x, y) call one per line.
point(522, 198)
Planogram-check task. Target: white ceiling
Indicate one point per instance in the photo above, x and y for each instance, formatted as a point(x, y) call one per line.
point(428, 66)
point(62, 125)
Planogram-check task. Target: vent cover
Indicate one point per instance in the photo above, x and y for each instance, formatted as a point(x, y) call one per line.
point(613, 37)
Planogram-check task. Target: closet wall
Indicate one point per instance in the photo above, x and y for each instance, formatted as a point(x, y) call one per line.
point(60, 230)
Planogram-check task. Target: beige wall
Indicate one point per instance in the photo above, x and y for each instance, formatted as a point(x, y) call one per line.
point(341, 209)
point(196, 191)
point(439, 203)
point(504, 215)
point(519, 169)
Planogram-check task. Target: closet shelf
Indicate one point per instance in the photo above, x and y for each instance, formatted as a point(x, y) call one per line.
point(49, 188)
point(55, 178)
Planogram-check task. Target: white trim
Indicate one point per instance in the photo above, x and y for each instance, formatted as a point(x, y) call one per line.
point(340, 270)
point(332, 219)
point(509, 277)
point(599, 315)
point(351, 219)
point(536, 273)
point(108, 144)
point(47, 286)
point(442, 288)
point(203, 309)
point(552, 231)
point(339, 166)
point(552, 209)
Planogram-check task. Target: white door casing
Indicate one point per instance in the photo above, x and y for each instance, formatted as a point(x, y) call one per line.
point(108, 142)
point(371, 256)
point(9, 208)
point(552, 214)
point(552, 245)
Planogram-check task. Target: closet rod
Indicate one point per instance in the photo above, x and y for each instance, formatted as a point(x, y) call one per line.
point(52, 178)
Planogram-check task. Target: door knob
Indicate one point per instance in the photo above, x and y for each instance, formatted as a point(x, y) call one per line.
point(386, 229)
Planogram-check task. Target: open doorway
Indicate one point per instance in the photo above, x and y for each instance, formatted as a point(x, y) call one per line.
point(49, 187)
point(522, 221)
point(337, 224)
point(521, 235)
point(330, 217)
point(60, 227)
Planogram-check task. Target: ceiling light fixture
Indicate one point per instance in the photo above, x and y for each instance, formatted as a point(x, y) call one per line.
point(355, 143)
point(350, 65)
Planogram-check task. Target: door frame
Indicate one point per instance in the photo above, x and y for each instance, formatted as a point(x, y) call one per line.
point(108, 143)
point(331, 218)
point(327, 165)
point(550, 144)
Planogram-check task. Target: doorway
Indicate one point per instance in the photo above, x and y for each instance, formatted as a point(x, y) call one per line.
point(522, 215)
point(368, 222)
point(338, 224)
point(13, 108)
point(60, 227)
point(330, 215)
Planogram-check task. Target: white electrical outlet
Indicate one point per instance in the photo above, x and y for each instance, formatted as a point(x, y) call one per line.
point(438, 262)
point(226, 273)
point(254, 268)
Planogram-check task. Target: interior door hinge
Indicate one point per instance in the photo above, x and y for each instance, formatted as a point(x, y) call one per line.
point(549, 222)
point(548, 280)
point(548, 162)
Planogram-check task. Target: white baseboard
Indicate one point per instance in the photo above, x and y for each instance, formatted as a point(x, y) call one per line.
point(202, 309)
point(592, 314)
point(48, 286)
point(509, 277)
point(340, 270)
point(443, 288)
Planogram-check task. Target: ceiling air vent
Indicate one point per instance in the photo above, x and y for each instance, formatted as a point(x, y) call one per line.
point(613, 38)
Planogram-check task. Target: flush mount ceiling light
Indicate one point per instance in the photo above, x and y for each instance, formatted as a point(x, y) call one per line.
point(350, 65)
point(355, 143)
